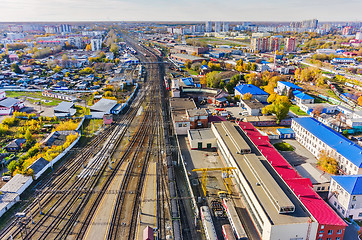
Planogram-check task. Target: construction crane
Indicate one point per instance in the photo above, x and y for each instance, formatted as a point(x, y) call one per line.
point(226, 174)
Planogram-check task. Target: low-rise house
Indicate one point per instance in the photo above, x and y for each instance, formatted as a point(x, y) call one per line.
point(320, 182)
point(267, 121)
point(7, 200)
point(198, 118)
point(345, 195)
point(9, 105)
point(15, 145)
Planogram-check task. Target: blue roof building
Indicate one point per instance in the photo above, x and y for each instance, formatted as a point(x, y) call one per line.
point(345, 195)
point(285, 133)
point(188, 82)
point(302, 98)
point(283, 87)
point(315, 137)
point(257, 93)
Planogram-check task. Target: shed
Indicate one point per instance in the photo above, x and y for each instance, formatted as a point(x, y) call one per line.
point(148, 233)
point(15, 145)
point(65, 109)
point(7, 200)
point(285, 133)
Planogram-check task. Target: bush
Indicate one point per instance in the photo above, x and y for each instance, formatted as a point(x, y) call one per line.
point(283, 146)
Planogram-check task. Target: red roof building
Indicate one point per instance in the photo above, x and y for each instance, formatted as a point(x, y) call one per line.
point(331, 226)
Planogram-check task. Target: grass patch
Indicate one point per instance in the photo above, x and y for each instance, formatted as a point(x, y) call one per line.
point(192, 72)
point(34, 97)
point(91, 126)
point(296, 110)
point(283, 146)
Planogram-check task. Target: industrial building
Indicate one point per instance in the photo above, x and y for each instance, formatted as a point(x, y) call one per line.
point(281, 203)
point(103, 106)
point(65, 109)
point(315, 136)
point(201, 139)
point(345, 195)
point(275, 211)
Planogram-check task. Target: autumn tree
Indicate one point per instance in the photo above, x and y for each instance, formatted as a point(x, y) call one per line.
point(213, 79)
point(247, 96)
point(188, 64)
point(280, 106)
point(327, 163)
point(88, 47)
point(359, 100)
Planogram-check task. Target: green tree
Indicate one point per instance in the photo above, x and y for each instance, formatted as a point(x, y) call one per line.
point(16, 68)
point(213, 79)
point(28, 136)
point(280, 106)
point(12, 166)
point(114, 49)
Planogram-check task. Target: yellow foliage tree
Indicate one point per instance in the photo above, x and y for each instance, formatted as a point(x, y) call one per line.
point(247, 96)
point(359, 100)
point(327, 163)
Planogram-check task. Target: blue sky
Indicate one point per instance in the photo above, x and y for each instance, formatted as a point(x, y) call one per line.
point(180, 10)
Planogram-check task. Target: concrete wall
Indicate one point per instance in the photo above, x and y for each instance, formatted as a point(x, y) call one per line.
point(181, 128)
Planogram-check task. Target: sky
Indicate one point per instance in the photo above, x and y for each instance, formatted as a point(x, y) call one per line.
point(180, 10)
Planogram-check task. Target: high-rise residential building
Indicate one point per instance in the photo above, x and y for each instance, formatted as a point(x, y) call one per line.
point(359, 36)
point(347, 30)
point(96, 44)
point(225, 27)
point(208, 26)
point(217, 26)
point(274, 44)
point(290, 44)
point(259, 44)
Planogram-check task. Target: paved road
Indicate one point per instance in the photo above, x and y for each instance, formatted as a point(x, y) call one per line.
point(148, 216)
point(100, 222)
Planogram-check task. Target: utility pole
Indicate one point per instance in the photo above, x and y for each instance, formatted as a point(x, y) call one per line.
point(40, 209)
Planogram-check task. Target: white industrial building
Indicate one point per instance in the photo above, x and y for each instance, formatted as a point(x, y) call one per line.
point(252, 106)
point(345, 195)
point(102, 107)
point(275, 211)
point(315, 137)
point(201, 139)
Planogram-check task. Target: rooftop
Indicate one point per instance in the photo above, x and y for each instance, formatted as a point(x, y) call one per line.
point(204, 133)
point(9, 102)
point(253, 103)
point(351, 183)
point(290, 85)
point(178, 104)
point(103, 105)
point(16, 183)
point(196, 112)
point(339, 143)
point(308, 171)
point(285, 131)
point(302, 187)
point(38, 165)
point(266, 179)
point(250, 88)
point(64, 106)
point(187, 56)
point(301, 95)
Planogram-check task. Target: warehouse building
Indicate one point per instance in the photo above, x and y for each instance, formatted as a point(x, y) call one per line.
point(315, 136)
point(275, 211)
point(281, 203)
point(330, 225)
point(103, 106)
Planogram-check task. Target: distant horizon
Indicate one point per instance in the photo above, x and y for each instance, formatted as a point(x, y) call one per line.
point(182, 10)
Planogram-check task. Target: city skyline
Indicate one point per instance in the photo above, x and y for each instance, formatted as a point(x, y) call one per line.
point(186, 10)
